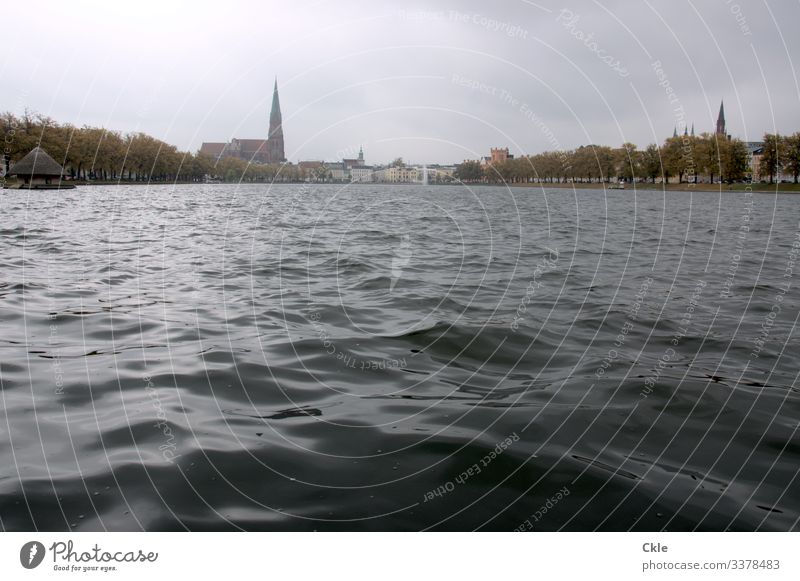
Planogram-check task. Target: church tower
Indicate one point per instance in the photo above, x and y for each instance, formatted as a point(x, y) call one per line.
point(721, 120)
point(275, 153)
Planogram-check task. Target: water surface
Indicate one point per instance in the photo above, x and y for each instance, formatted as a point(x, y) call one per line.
point(293, 357)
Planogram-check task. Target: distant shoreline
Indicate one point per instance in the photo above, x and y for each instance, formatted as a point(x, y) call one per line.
point(755, 188)
point(684, 187)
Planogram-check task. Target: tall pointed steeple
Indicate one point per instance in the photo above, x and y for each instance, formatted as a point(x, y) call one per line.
point(675, 131)
point(721, 119)
point(275, 152)
point(692, 129)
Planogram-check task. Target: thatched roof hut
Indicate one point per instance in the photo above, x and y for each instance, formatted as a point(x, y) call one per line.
point(39, 170)
point(36, 163)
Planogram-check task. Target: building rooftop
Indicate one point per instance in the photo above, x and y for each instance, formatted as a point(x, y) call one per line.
point(37, 163)
point(211, 148)
point(252, 143)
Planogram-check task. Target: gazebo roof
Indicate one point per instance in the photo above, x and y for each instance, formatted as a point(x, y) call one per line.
point(38, 163)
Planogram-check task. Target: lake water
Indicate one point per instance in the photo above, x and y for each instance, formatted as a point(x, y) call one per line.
point(225, 357)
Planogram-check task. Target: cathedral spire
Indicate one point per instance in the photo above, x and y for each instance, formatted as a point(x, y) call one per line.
point(721, 119)
point(275, 153)
point(675, 131)
point(692, 129)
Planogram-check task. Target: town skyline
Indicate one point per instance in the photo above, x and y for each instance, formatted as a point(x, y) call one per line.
point(97, 155)
point(263, 150)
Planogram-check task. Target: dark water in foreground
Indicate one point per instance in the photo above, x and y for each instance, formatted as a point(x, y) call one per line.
point(221, 357)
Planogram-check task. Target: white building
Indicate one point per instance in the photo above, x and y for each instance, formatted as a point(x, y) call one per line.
point(400, 174)
point(338, 171)
point(441, 173)
point(361, 174)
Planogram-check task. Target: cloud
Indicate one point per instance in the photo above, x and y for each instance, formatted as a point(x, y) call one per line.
point(382, 75)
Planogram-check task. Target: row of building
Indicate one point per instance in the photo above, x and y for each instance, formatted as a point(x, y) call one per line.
point(357, 171)
point(271, 151)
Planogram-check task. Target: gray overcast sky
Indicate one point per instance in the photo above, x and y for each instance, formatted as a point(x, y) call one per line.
point(435, 81)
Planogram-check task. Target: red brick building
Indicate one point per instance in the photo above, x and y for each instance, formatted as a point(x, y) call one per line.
point(270, 150)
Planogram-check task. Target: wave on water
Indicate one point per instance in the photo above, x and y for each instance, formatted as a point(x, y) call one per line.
point(196, 360)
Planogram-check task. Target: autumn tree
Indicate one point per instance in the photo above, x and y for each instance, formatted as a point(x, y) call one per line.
point(650, 162)
point(469, 171)
point(772, 158)
point(626, 162)
point(792, 155)
point(705, 153)
point(733, 160)
point(677, 155)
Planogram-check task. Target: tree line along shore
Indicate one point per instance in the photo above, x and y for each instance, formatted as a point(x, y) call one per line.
point(687, 159)
point(95, 154)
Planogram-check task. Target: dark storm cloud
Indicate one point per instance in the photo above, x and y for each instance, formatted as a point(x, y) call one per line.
point(429, 81)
